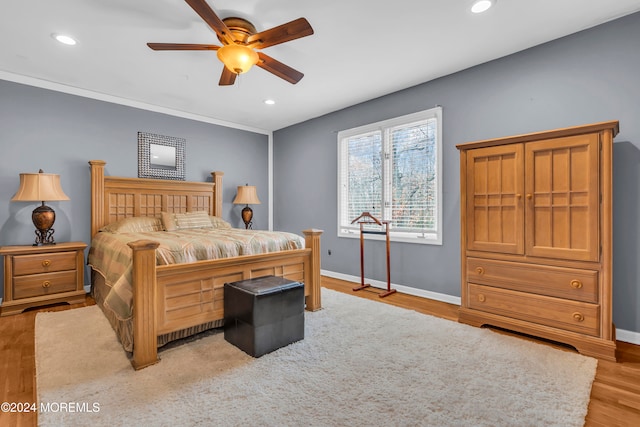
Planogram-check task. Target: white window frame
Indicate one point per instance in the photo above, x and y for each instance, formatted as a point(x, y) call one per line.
point(353, 231)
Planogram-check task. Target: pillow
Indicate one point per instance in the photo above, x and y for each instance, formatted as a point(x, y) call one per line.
point(187, 220)
point(136, 224)
point(217, 222)
point(169, 222)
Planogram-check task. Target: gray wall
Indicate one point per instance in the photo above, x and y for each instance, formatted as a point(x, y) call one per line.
point(60, 133)
point(588, 77)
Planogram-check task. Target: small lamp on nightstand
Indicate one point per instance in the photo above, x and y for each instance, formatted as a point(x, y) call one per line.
point(247, 195)
point(41, 187)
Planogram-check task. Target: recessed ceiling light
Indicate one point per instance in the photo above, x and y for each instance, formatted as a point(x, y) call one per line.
point(480, 6)
point(269, 101)
point(64, 39)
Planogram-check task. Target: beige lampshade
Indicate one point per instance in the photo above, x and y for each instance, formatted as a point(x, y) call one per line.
point(39, 187)
point(247, 195)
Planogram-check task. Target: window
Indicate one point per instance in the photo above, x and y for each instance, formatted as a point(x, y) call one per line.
point(391, 169)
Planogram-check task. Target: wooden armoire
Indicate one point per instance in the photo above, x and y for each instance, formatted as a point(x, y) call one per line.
point(536, 238)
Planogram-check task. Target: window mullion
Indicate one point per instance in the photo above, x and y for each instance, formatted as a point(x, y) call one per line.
point(387, 193)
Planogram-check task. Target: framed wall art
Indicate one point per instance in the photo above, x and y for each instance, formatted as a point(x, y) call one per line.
point(161, 156)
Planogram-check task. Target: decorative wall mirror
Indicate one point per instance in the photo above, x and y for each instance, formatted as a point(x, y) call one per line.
point(160, 156)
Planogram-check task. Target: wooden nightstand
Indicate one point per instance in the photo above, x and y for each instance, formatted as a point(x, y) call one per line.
point(41, 275)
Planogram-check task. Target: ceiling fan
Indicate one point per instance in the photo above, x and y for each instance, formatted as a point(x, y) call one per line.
point(240, 40)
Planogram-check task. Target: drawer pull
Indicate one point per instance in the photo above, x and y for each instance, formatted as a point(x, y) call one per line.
point(46, 284)
point(576, 284)
point(529, 196)
point(578, 317)
point(479, 270)
point(46, 263)
point(481, 298)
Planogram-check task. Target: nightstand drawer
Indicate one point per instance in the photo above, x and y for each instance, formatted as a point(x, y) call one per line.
point(43, 263)
point(44, 284)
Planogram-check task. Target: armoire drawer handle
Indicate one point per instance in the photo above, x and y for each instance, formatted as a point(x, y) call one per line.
point(576, 284)
point(578, 317)
point(46, 284)
point(479, 270)
point(481, 298)
point(46, 263)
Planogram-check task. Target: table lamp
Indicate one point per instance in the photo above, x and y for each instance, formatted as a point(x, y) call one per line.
point(247, 195)
point(41, 187)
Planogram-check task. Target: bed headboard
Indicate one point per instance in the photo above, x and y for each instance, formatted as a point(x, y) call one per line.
point(114, 198)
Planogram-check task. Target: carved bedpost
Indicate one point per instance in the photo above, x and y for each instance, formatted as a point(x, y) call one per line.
point(312, 241)
point(145, 336)
point(97, 195)
point(217, 191)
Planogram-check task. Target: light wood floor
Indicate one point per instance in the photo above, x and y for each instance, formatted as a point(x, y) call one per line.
point(615, 395)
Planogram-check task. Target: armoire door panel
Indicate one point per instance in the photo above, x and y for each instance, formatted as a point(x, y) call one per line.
point(562, 198)
point(495, 186)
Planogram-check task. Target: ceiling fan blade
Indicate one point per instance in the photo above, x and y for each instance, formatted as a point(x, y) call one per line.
point(279, 69)
point(227, 78)
point(209, 16)
point(182, 46)
point(280, 34)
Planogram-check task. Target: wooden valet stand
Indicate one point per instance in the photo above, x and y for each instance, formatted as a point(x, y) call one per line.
point(367, 218)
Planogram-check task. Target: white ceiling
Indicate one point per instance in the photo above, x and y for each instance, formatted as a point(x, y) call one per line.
point(361, 49)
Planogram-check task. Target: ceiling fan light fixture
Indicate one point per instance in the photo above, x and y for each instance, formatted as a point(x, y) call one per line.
point(480, 6)
point(237, 58)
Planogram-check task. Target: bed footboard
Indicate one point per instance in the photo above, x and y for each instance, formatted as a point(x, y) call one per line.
point(168, 298)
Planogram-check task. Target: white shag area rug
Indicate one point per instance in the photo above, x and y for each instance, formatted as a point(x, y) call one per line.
point(362, 363)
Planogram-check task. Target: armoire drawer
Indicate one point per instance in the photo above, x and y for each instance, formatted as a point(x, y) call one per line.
point(568, 315)
point(569, 283)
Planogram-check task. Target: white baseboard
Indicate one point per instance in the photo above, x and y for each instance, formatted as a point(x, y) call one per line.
point(621, 334)
point(628, 336)
point(400, 288)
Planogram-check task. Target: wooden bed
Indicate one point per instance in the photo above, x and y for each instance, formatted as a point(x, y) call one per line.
point(168, 298)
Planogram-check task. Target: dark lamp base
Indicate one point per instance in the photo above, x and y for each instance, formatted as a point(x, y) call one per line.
point(247, 216)
point(43, 218)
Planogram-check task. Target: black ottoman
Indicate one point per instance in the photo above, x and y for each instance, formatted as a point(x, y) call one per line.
point(263, 314)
